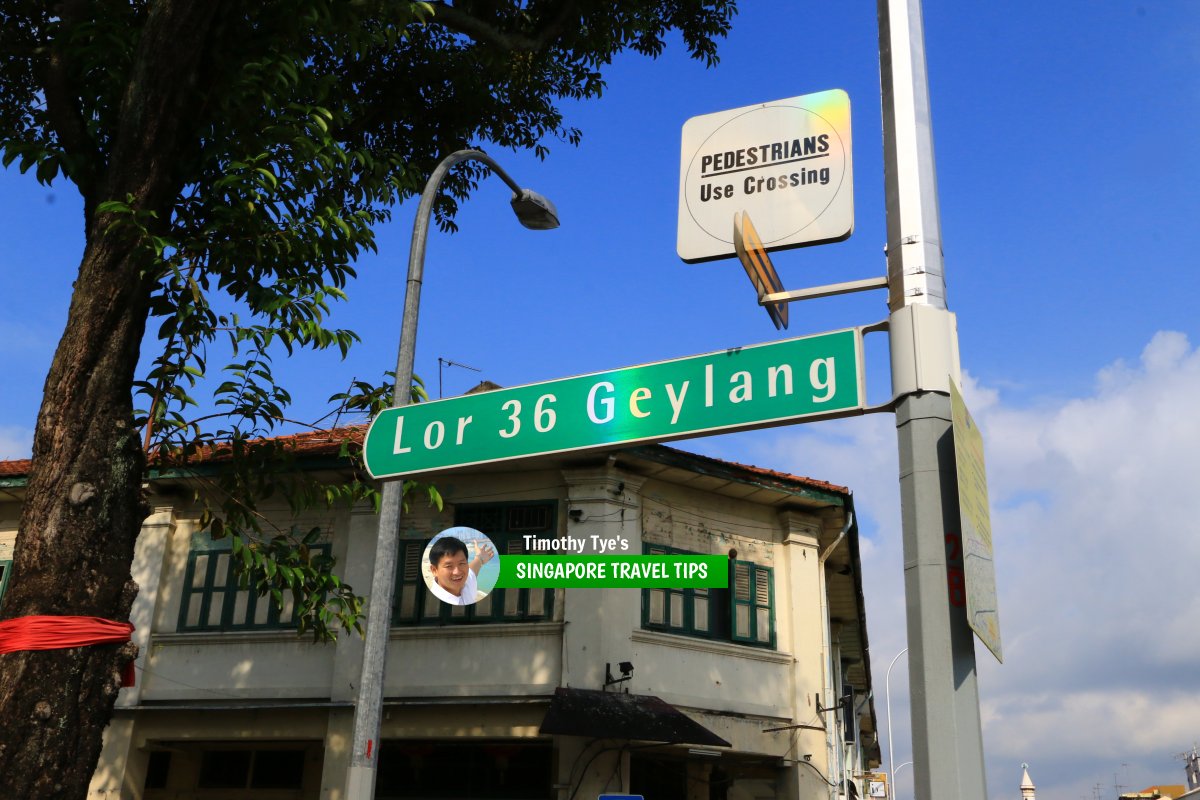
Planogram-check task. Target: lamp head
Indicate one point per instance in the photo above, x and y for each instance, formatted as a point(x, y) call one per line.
point(534, 211)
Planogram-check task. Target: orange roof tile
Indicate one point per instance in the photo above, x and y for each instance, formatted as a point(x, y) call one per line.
point(770, 473)
point(329, 443)
point(15, 467)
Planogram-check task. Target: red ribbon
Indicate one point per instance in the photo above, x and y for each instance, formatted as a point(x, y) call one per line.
point(56, 633)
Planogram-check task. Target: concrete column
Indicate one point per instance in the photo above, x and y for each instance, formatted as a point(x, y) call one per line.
point(354, 549)
point(338, 734)
point(602, 502)
point(593, 767)
point(149, 566)
point(806, 609)
point(804, 782)
point(121, 770)
point(698, 775)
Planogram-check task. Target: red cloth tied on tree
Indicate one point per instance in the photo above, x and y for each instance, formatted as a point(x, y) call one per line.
point(56, 633)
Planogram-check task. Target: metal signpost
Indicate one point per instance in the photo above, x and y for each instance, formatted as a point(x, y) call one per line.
point(733, 164)
point(747, 387)
point(946, 731)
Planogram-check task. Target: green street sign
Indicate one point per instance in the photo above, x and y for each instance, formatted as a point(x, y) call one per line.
point(812, 377)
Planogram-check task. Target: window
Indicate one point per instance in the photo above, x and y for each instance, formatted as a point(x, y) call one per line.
point(742, 613)
point(505, 524)
point(753, 600)
point(5, 572)
point(251, 769)
point(215, 600)
point(157, 769)
point(507, 769)
point(222, 770)
point(277, 769)
point(686, 611)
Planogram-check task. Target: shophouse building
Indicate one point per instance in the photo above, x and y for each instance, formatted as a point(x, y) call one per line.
point(761, 690)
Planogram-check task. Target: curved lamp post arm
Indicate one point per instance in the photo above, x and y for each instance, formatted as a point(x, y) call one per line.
point(535, 212)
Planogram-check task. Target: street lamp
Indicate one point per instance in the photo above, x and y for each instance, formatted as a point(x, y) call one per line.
point(902, 766)
point(887, 691)
point(534, 212)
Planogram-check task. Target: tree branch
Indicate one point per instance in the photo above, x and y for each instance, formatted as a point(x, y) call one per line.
point(457, 20)
point(159, 99)
point(62, 106)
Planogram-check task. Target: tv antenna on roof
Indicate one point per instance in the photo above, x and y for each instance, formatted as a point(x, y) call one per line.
point(447, 362)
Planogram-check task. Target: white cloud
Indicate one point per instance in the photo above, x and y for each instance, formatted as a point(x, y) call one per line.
point(1095, 515)
point(1095, 511)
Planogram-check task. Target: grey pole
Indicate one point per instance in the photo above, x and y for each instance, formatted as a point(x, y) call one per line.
point(946, 732)
point(534, 212)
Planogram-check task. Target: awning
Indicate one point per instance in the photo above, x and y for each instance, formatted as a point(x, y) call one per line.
point(612, 715)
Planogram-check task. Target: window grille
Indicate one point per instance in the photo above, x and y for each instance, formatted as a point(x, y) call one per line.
point(216, 598)
point(743, 613)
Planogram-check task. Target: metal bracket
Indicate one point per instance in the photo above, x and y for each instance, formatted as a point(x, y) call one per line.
point(924, 350)
point(875, 327)
point(882, 408)
point(828, 290)
point(794, 727)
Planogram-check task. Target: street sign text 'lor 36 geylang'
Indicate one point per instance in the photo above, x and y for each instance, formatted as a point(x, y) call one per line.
point(812, 377)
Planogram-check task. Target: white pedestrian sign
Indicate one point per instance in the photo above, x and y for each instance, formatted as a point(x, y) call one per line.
point(786, 163)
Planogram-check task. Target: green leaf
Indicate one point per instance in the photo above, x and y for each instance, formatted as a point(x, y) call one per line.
point(112, 207)
point(312, 123)
point(47, 170)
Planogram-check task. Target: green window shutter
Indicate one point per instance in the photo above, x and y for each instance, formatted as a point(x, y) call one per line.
point(685, 611)
point(657, 603)
point(701, 612)
point(764, 606)
point(411, 592)
point(216, 598)
point(5, 574)
point(752, 604)
point(740, 598)
point(744, 613)
point(512, 603)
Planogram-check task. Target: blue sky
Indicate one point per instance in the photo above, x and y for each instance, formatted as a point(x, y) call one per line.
point(1068, 170)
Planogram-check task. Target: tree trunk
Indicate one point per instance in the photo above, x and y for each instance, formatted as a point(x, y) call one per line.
point(82, 513)
point(84, 506)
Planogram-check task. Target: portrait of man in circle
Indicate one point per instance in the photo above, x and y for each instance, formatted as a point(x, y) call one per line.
point(460, 566)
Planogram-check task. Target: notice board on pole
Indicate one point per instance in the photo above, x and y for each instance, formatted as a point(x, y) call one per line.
point(979, 566)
